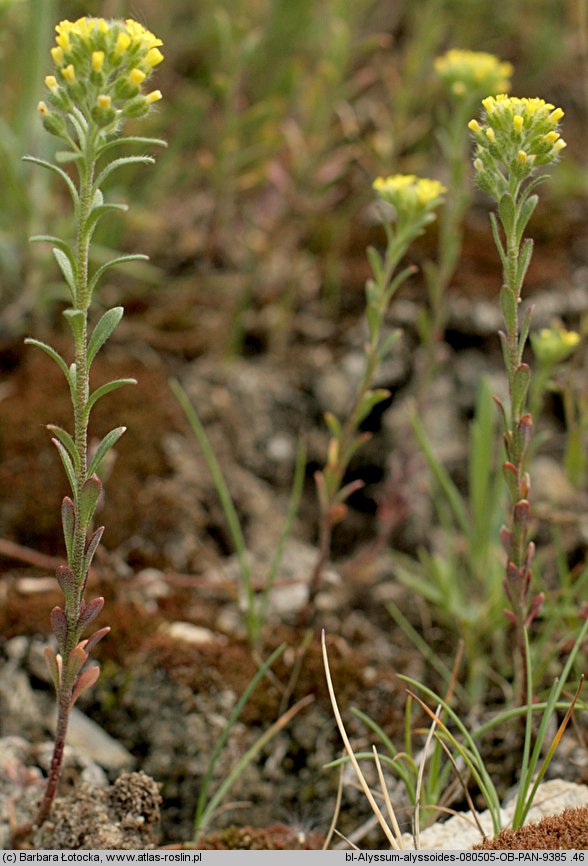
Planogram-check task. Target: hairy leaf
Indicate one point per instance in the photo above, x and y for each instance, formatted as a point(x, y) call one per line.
point(106, 389)
point(105, 445)
point(104, 328)
point(67, 464)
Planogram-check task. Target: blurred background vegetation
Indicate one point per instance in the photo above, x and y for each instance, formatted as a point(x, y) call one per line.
point(279, 114)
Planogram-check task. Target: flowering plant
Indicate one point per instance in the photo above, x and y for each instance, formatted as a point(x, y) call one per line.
point(101, 67)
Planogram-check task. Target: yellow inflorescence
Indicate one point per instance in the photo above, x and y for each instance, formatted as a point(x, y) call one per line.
point(100, 68)
point(515, 136)
point(409, 193)
point(473, 72)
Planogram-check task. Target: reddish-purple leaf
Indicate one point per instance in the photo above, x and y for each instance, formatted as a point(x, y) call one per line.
point(90, 610)
point(59, 627)
point(91, 642)
point(85, 681)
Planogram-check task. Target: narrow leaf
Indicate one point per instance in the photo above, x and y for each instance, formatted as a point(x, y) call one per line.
point(91, 642)
point(109, 440)
point(68, 522)
point(524, 261)
point(49, 350)
point(102, 331)
point(334, 425)
point(67, 464)
point(85, 681)
point(506, 212)
point(106, 389)
point(520, 386)
point(120, 260)
point(370, 401)
point(89, 611)
point(498, 240)
point(59, 627)
point(66, 269)
point(98, 212)
point(132, 139)
point(525, 214)
point(54, 666)
point(57, 242)
point(91, 548)
point(119, 163)
point(508, 306)
point(76, 321)
point(62, 174)
point(88, 500)
point(65, 439)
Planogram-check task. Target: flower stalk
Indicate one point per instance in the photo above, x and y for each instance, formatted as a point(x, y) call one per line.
point(97, 85)
point(413, 202)
point(515, 137)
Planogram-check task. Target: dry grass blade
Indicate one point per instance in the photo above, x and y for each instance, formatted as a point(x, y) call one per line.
point(336, 811)
point(462, 782)
point(362, 780)
point(387, 800)
point(420, 778)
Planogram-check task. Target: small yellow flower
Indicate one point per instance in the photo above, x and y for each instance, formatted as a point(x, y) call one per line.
point(51, 83)
point(136, 76)
point(42, 109)
point(522, 156)
point(57, 55)
point(69, 73)
point(104, 101)
point(517, 123)
point(154, 57)
point(122, 43)
point(490, 134)
point(474, 126)
point(154, 96)
point(97, 60)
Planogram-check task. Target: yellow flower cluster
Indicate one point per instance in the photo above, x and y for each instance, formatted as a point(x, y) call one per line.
point(553, 345)
point(516, 135)
point(101, 67)
point(473, 73)
point(409, 193)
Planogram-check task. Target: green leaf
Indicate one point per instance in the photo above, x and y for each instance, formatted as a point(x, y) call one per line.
point(520, 386)
point(66, 440)
point(525, 327)
point(106, 325)
point(76, 319)
point(64, 156)
point(508, 306)
point(119, 163)
point(106, 389)
point(49, 350)
point(388, 342)
point(525, 214)
point(62, 174)
point(57, 242)
point(525, 256)
point(132, 139)
point(120, 260)
point(374, 320)
point(507, 213)
point(88, 499)
point(375, 260)
point(68, 522)
point(105, 445)
point(369, 401)
point(67, 270)
point(334, 425)
point(67, 464)
point(498, 240)
point(98, 212)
